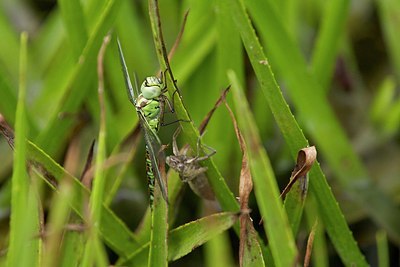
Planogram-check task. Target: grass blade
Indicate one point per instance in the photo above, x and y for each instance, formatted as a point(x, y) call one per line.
point(389, 12)
point(23, 246)
point(112, 229)
point(57, 130)
point(276, 224)
point(383, 249)
point(94, 249)
point(329, 136)
point(75, 25)
point(218, 249)
point(330, 212)
point(185, 238)
point(333, 18)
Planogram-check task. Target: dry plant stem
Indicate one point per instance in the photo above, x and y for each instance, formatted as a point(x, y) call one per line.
point(245, 188)
point(178, 39)
point(206, 120)
point(310, 242)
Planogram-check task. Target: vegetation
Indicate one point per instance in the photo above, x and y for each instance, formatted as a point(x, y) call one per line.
point(261, 82)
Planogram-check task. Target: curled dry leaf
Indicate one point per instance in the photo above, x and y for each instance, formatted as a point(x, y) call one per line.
point(305, 159)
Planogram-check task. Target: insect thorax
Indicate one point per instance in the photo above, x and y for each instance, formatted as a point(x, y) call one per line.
point(151, 87)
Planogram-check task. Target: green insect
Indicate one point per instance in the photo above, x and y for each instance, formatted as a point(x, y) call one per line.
point(149, 105)
point(189, 168)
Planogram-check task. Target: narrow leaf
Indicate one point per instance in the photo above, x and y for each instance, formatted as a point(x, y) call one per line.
point(185, 238)
point(276, 224)
point(249, 250)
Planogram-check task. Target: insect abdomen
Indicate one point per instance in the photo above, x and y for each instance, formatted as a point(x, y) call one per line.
point(150, 178)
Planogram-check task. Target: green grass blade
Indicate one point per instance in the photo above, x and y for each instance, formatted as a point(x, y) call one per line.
point(78, 84)
point(158, 253)
point(114, 232)
point(276, 224)
point(329, 209)
point(9, 105)
point(23, 247)
point(185, 238)
point(58, 216)
point(333, 18)
point(383, 249)
point(320, 256)
point(75, 25)
point(389, 12)
point(320, 120)
point(73, 247)
point(94, 249)
point(294, 205)
point(9, 46)
point(218, 250)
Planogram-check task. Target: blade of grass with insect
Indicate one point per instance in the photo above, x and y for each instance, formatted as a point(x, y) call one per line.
point(23, 246)
point(220, 188)
point(158, 252)
point(57, 130)
point(330, 212)
point(322, 123)
point(174, 183)
point(276, 225)
point(183, 239)
point(324, 55)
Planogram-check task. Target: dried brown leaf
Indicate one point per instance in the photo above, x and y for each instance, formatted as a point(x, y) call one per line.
point(305, 159)
point(245, 188)
point(310, 242)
